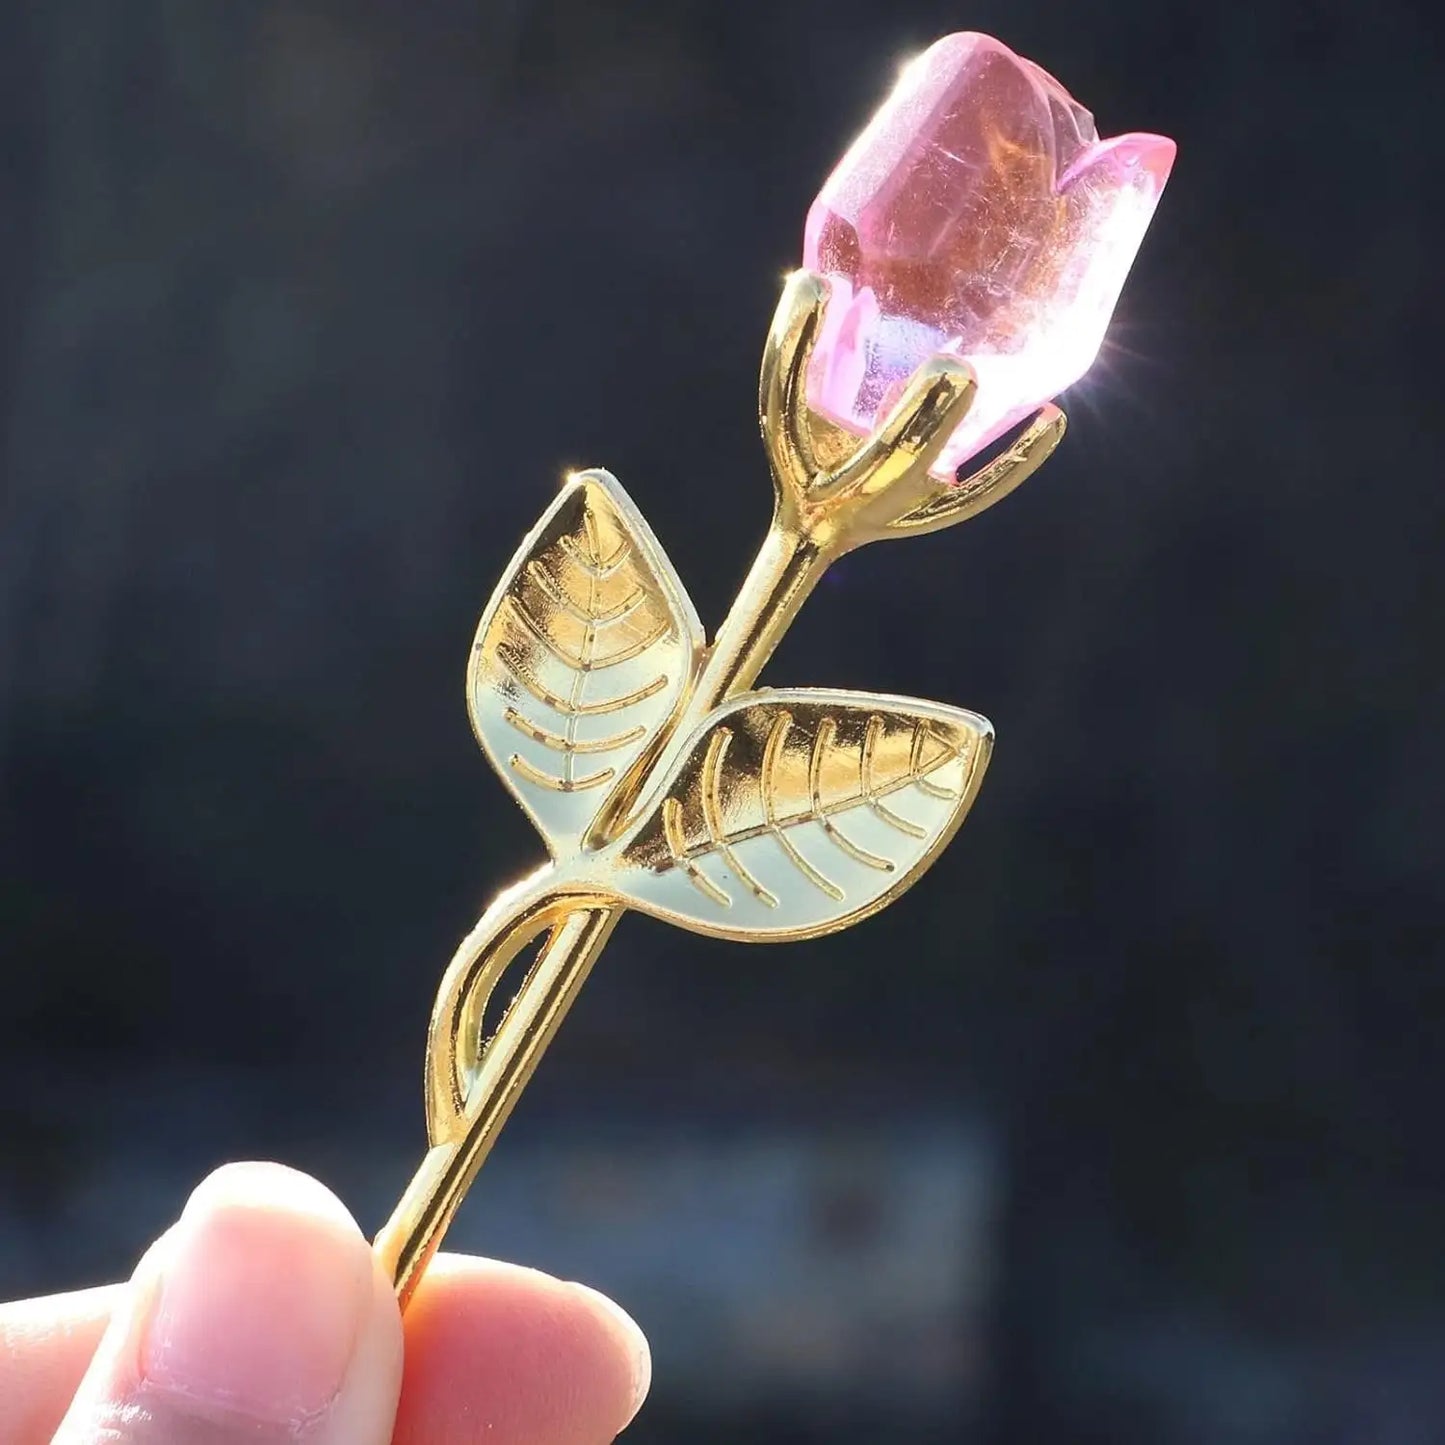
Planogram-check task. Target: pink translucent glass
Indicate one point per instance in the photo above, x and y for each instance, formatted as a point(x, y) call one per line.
point(979, 214)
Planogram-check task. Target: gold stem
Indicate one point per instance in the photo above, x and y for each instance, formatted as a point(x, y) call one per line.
point(879, 488)
point(785, 571)
point(787, 568)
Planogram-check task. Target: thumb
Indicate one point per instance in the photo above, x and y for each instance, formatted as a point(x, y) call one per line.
point(259, 1316)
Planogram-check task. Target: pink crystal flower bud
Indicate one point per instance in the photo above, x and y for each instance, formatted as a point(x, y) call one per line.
point(978, 215)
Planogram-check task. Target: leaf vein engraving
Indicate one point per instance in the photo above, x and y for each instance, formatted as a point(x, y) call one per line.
point(563, 784)
point(545, 695)
point(672, 829)
point(560, 597)
point(772, 760)
point(827, 731)
point(717, 749)
point(592, 564)
point(869, 794)
point(920, 773)
point(872, 793)
point(631, 650)
point(589, 639)
point(572, 660)
point(559, 743)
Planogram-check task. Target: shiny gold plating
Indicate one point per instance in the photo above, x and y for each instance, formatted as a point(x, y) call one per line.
point(657, 779)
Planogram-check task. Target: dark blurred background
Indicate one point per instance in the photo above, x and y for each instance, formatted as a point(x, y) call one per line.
point(1125, 1125)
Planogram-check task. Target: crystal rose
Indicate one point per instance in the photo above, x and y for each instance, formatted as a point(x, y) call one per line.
point(979, 215)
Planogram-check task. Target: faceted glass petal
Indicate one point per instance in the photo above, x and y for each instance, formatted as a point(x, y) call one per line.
point(979, 215)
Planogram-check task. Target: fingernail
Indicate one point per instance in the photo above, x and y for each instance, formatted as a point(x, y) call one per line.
point(263, 1286)
point(634, 1339)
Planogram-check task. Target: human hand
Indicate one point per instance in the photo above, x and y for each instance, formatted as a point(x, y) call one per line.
point(261, 1315)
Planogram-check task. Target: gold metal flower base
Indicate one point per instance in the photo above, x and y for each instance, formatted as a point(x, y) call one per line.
point(657, 779)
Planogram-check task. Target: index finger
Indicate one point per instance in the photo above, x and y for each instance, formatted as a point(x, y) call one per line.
point(45, 1346)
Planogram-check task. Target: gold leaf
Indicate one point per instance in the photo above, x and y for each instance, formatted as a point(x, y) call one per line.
point(796, 813)
point(581, 658)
